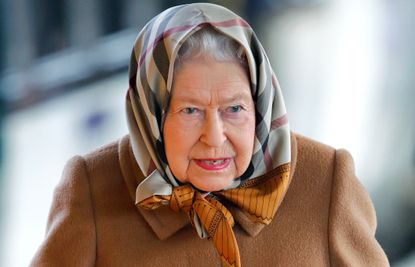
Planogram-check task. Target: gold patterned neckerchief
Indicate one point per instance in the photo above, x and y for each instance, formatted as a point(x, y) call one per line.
point(260, 197)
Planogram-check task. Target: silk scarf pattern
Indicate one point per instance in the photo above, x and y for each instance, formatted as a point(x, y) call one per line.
point(150, 82)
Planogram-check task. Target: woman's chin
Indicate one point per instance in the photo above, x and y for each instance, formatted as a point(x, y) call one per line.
point(211, 184)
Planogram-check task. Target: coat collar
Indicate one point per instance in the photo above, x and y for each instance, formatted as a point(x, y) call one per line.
point(164, 221)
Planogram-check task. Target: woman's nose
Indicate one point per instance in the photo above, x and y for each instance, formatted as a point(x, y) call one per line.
point(213, 131)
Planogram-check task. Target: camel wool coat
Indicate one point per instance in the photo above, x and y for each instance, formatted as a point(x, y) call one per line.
point(325, 219)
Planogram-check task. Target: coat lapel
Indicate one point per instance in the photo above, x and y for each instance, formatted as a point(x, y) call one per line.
point(163, 221)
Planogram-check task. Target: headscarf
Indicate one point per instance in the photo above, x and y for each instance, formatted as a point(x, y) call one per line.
point(150, 82)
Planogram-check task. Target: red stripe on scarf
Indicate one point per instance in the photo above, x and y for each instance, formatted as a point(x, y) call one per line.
point(275, 124)
point(267, 160)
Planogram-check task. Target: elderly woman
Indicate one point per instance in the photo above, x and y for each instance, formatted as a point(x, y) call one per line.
point(209, 155)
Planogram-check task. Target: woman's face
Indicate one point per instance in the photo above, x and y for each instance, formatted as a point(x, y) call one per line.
point(209, 128)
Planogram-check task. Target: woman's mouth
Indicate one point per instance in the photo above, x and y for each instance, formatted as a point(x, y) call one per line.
point(213, 164)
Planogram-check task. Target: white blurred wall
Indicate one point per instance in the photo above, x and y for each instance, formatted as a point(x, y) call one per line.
point(329, 62)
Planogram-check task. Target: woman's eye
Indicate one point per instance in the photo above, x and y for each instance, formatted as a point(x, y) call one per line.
point(234, 109)
point(189, 110)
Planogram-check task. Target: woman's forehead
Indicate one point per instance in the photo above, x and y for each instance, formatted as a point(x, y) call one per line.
point(201, 78)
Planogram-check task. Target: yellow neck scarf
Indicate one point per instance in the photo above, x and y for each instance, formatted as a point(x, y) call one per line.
point(259, 197)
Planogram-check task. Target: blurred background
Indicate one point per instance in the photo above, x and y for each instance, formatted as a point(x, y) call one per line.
point(346, 67)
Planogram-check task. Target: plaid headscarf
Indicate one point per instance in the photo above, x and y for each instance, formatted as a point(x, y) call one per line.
point(150, 82)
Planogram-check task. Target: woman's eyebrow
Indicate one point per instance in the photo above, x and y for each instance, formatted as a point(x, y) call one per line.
point(240, 96)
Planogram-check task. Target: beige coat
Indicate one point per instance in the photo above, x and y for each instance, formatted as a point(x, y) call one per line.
point(326, 218)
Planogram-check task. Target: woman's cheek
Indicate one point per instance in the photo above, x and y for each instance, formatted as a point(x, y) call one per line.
point(242, 120)
point(186, 122)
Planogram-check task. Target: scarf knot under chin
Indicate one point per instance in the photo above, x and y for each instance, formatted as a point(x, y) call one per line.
point(259, 197)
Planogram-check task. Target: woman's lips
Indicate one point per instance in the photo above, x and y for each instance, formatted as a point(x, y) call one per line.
point(213, 164)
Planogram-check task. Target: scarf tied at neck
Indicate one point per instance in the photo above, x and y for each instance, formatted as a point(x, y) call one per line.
point(259, 197)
